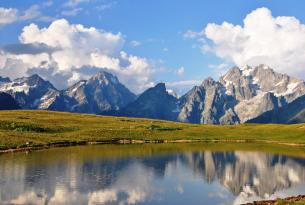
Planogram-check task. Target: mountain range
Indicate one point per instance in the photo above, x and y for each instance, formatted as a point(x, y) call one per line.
point(243, 95)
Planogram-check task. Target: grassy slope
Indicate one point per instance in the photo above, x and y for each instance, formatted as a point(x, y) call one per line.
point(35, 128)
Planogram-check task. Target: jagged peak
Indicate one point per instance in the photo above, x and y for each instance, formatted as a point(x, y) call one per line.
point(104, 78)
point(208, 82)
point(264, 66)
point(32, 80)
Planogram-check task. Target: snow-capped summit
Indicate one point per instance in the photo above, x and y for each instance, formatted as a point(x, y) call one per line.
point(28, 91)
point(101, 93)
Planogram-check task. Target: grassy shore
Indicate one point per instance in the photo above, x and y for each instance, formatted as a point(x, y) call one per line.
point(24, 129)
point(294, 200)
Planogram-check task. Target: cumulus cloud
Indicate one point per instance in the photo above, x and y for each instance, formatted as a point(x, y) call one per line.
point(263, 38)
point(65, 53)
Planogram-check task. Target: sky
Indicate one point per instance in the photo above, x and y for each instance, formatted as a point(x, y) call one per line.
point(179, 42)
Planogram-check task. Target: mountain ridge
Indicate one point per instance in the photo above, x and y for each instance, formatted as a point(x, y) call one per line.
point(242, 95)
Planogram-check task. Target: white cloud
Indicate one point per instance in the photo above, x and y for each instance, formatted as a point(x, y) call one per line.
point(103, 7)
point(221, 68)
point(74, 3)
point(183, 83)
point(8, 15)
point(31, 13)
point(72, 12)
point(74, 52)
point(11, 15)
point(180, 71)
point(192, 34)
point(135, 43)
point(263, 38)
point(183, 86)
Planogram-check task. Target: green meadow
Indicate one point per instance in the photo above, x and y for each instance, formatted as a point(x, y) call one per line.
point(25, 128)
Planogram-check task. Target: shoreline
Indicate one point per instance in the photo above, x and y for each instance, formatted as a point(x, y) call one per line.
point(128, 141)
point(285, 201)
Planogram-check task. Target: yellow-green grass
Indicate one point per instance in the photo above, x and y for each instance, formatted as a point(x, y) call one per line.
point(25, 128)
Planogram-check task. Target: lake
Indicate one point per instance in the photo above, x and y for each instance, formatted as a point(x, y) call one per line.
point(152, 174)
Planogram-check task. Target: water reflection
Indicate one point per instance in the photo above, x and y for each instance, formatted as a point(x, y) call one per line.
point(80, 176)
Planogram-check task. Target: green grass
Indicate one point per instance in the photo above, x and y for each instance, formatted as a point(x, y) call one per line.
point(25, 128)
point(284, 202)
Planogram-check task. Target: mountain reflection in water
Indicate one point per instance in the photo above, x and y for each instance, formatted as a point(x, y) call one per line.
point(62, 176)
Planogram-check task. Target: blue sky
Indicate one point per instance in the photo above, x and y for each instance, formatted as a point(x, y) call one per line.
point(158, 27)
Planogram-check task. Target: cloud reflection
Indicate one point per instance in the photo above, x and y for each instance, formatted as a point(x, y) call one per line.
point(193, 177)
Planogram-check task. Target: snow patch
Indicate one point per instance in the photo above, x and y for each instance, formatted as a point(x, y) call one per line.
point(15, 88)
point(247, 71)
point(47, 100)
point(290, 89)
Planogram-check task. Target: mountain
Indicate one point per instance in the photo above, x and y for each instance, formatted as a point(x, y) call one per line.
point(290, 113)
point(29, 92)
point(207, 104)
point(156, 102)
point(248, 94)
point(101, 93)
point(7, 102)
point(240, 95)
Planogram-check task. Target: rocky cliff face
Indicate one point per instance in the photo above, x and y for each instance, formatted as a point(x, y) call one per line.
point(293, 112)
point(29, 92)
point(239, 96)
point(103, 92)
point(207, 104)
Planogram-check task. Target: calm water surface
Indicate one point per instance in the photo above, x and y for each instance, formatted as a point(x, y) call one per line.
point(140, 174)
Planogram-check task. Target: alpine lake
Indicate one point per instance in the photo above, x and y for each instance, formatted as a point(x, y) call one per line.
point(177, 173)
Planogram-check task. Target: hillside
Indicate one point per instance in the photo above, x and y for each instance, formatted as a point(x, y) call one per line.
point(22, 128)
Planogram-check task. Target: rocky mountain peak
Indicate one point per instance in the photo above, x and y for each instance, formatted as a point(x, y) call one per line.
point(155, 102)
point(104, 78)
point(208, 82)
point(232, 73)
